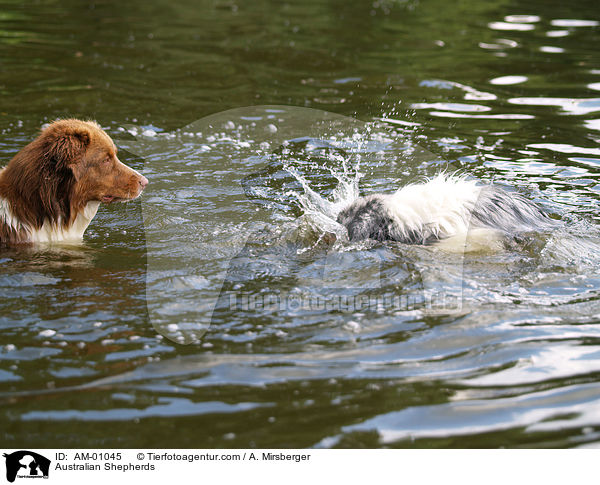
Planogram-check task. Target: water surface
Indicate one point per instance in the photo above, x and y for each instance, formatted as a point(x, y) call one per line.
point(347, 97)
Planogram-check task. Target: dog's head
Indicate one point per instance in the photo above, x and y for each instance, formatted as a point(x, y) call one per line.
point(83, 150)
point(70, 164)
point(367, 218)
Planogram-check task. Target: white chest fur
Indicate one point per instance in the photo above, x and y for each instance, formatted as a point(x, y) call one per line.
point(52, 232)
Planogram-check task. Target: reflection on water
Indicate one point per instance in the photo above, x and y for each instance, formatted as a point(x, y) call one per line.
point(306, 339)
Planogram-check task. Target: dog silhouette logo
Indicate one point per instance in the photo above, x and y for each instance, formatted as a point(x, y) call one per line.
point(26, 464)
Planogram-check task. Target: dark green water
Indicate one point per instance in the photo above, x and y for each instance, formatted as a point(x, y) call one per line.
point(505, 91)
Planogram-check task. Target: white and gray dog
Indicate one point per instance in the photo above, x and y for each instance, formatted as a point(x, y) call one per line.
point(442, 208)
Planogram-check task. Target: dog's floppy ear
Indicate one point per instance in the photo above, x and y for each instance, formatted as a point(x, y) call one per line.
point(66, 144)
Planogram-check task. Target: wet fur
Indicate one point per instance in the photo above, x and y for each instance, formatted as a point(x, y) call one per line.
point(440, 208)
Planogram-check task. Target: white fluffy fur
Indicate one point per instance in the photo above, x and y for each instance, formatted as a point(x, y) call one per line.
point(441, 207)
point(449, 210)
point(52, 232)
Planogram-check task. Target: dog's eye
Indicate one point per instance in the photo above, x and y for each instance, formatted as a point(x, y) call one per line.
point(106, 161)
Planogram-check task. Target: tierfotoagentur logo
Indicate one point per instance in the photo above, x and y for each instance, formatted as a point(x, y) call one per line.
point(240, 216)
point(26, 464)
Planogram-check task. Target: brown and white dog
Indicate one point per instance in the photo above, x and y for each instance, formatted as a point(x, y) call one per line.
point(51, 190)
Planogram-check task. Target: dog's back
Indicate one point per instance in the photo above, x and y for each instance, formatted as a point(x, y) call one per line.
point(438, 209)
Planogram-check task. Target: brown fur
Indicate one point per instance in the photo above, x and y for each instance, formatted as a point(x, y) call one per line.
point(71, 163)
